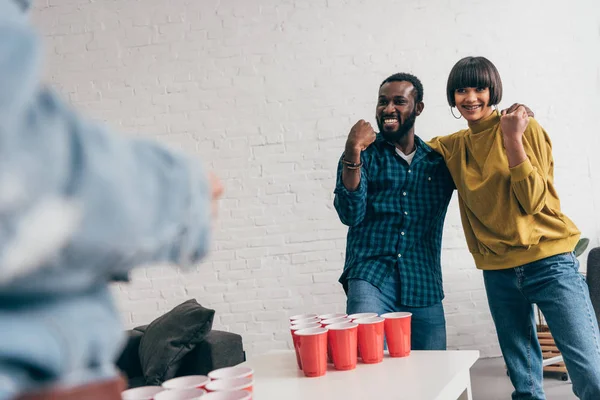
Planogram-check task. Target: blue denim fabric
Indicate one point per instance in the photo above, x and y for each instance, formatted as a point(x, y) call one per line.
point(79, 206)
point(428, 324)
point(559, 290)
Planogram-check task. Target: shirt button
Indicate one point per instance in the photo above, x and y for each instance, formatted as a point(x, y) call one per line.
point(409, 171)
point(402, 233)
point(405, 212)
point(403, 193)
point(399, 255)
point(429, 178)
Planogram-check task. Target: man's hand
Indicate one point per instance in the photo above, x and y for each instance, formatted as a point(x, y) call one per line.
point(216, 189)
point(514, 107)
point(361, 136)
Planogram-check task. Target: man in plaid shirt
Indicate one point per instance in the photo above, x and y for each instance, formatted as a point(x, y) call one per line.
point(393, 192)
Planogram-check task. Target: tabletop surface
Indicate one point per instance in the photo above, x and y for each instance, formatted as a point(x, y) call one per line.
point(422, 375)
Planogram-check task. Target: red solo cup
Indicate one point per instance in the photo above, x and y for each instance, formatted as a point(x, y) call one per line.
point(331, 316)
point(302, 316)
point(229, 385)
point(313, 351)
point(180, 394)
point(361, 315)
point(141, 393)
point(397, 333)
point(336, 320)
point(233, 395)
point(296, 339)
point(370, 339)
point(343, 339)
point(187, 382)
point(325, 323)
point(305, 320)
point(231, 373)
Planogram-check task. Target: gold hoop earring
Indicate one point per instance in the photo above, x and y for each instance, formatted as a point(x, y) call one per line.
point(452, 112)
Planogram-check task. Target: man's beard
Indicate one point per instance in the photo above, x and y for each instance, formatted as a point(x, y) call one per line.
point(398, 134)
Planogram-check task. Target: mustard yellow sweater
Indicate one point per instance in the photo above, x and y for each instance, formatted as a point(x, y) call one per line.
point(511, 216)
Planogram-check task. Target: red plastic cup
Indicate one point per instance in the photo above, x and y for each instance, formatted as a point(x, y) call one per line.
point(180, 394)
point(302, 316)
point(397, 333)
point(296, 339)
point(370, 339)
point(231, 373)
point(313, 351)
point(331, 316)
point(361, 315)
point(230, 385)
point(234, 395)
point(337, 320)
point(325, 323)
point(343, 339)
point(141, 393)
point(305, 321)
point(187, 382)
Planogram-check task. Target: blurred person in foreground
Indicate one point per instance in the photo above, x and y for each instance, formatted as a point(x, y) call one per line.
point(79, 208)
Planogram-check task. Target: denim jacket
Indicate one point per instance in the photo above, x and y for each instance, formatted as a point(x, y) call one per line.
point(79, 204)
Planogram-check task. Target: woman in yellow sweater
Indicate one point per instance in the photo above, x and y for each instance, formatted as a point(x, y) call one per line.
point(503, 168)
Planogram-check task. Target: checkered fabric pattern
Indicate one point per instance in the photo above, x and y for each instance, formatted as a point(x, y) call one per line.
point(396, 217)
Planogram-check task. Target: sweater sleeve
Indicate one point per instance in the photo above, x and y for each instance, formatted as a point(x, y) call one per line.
point(529, 180)
point(443, 145)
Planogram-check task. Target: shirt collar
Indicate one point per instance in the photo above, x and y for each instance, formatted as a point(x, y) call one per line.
point(420, 145)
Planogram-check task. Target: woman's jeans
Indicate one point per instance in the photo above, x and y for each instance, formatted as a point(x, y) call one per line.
point(562, 295)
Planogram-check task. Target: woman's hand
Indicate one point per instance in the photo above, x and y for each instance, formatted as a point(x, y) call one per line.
point(513, 126)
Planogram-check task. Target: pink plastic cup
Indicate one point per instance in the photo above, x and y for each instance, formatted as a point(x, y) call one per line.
point(187, 382)
point(180, 394)
point(233, 395)
point(230, 385)
point(231, 373)
point(141, 393)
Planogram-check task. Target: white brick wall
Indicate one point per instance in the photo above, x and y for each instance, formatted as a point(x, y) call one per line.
point(265, 92)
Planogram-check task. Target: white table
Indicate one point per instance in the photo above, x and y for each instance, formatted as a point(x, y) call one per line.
point(424, 375)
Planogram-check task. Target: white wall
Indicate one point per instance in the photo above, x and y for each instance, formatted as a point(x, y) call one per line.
point(266, 91)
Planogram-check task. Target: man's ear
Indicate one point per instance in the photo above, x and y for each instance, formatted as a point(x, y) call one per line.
point(419, 108)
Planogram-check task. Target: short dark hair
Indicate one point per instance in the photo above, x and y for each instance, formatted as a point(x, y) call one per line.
point(474, 72)
point(404, 77)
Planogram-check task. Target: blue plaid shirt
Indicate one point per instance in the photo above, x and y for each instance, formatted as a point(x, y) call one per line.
point(396, 217)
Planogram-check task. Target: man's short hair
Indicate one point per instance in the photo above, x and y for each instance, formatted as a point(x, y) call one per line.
point(405, 77)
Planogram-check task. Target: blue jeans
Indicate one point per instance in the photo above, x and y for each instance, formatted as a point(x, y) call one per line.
point(559, 290)
point(428, 324)
point(70, 340)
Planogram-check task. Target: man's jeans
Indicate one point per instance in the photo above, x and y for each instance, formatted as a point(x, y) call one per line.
point(559, 290)
point(428, 325)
